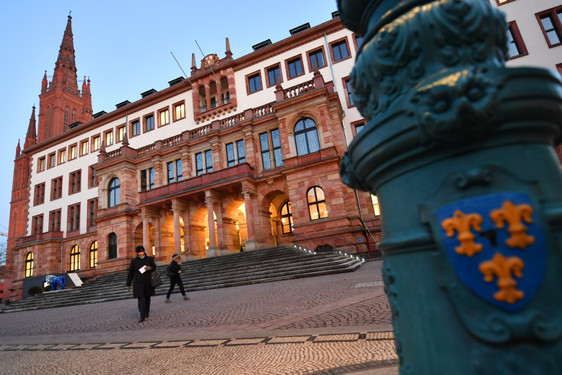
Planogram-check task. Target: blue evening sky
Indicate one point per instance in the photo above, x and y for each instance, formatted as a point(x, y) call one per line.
point(124, 48)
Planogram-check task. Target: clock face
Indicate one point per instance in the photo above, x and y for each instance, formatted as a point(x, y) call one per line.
point(211, 59)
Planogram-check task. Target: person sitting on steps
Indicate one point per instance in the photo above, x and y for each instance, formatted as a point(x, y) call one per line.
point(174, 272)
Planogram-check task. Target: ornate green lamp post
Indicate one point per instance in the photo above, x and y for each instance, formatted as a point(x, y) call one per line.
point(459, 150)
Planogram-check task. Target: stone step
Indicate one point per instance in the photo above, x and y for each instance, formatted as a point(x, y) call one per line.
point(268, 265)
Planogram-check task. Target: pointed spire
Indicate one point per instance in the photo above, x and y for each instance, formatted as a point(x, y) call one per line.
point(193, 64)
point(31, 136)
point(228, 51)
point(18, 149)
point(44, 83)
point(65, 67)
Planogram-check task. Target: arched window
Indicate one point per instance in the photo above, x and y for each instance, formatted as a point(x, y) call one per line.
point(225, 94)
point(94, 254)
point(73, 116)
point(113, 192)
point(286, 218)
point(306, 137)
point(66, 116)
point(202, 99)
point(75, 258)
point(213, 94)
point(29, 265)
point(316, 203)
point(112, 251)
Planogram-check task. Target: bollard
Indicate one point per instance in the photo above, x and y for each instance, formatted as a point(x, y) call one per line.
point(458, 148)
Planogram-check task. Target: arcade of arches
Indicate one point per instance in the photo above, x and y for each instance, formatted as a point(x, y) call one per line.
point(184, 224)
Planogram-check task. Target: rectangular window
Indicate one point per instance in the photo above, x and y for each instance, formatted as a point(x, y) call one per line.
point(72, 152)
point(376, 207)
point(340, 50)
point(92, 208)
point(121, 133)
point(208, 161)
point(149, 123)
point(37, 222)
point(39, 196)
point(74, 217)
point(51, 160)
point(199, 168)
point(179, 170)
point(54, 220)
point(273, 75)
point(84, 147)
point(515, 45)
point(74, 182)
point(56, 188)
point(91, 177)
point(203, 162)
point(96, 142)
point(348, 92)
point(551, 24)
point(358, 126)
point(179, 111)
point(147, 179)
point(62, 156)
point(294, 67)
point(108, 136)
point(316, 59)
point(254, 83)
point(276, 143)
point(265, 153)
point(235, 153)
point(171, 176)
point(164, 117)
point(135, 128)
point(241, 148)
point(41, 164)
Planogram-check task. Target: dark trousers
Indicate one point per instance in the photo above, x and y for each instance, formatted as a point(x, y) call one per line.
point(144, 306)
point(173, 281)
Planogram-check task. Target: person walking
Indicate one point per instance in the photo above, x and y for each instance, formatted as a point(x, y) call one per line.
point(140, 274)
point(174, 272)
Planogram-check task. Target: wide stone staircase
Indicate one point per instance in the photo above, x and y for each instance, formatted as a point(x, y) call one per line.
point(261, 266)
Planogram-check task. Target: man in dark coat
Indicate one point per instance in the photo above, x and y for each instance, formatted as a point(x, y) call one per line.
point(174, 272)
point(140, 273)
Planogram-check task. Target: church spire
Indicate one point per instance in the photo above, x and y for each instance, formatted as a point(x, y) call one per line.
point(65, 67)
point(31, 136)
point(61, 103)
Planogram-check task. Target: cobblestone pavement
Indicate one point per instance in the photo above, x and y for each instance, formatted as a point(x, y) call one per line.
point(336, 324)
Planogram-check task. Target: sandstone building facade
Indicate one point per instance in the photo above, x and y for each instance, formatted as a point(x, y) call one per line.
point(241, 155)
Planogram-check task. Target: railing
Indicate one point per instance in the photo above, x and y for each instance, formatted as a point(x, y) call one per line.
point(298, 90)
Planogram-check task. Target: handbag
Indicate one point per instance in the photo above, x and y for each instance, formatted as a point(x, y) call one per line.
point(155, 281)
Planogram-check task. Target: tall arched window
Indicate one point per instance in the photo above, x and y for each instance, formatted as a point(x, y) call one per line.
point(113, 192)
point(75, 258)
point(213, 94)
point(94, 254)
point(225, 94)
point(202, 99)
point(29, 265)
point(66, 116)
point(306, 137)
point(112, 251)
point(316, 203)
point(73, 116)
point(286, 218)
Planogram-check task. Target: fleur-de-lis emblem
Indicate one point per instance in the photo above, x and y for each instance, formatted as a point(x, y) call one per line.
point(503, 268)
point(462, 223)
point(513, 215)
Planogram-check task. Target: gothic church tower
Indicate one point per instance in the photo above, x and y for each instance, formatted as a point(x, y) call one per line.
point(60, 102)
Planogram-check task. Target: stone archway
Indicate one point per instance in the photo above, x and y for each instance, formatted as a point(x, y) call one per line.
point(236, 228)
point(272, 203)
